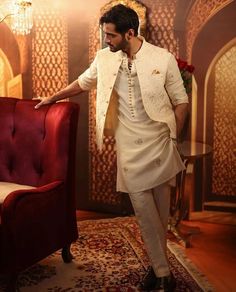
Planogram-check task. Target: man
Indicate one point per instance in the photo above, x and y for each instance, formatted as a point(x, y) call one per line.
point(140, 93)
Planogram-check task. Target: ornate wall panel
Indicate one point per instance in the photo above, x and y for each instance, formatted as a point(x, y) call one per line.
point(224, 145)
point(200, 13)
point(102, 182)
point(160, 24)
point(49, 52)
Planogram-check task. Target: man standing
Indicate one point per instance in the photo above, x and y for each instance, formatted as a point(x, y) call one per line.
point(140, 94)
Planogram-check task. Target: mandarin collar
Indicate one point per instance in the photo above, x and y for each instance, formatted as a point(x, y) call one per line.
point(140, 52)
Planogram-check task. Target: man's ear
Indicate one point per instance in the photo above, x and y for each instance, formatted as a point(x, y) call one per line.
point(130, 33)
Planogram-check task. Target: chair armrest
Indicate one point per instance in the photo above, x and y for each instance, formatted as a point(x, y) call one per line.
point(36, 223)
point(30, 201)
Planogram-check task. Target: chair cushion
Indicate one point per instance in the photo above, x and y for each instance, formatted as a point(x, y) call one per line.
point(6, 188)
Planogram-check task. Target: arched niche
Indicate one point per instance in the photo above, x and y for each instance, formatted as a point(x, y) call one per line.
point(216, 33)
point(10, 48)
point(220, 120)
point(211, 43)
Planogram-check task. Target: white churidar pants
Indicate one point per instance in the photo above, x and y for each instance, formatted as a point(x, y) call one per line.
point(152, 211)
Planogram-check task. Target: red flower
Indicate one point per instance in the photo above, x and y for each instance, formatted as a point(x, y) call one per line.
point(190, 68)
point(186, 71)
point(182, 64)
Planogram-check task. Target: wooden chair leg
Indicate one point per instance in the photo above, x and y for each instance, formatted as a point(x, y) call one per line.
point(66, 254)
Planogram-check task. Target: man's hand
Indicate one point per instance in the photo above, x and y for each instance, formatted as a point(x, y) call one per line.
point(70, 90)
point(43, 101)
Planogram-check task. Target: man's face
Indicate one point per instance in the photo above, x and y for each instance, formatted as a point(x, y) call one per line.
point(113, 39)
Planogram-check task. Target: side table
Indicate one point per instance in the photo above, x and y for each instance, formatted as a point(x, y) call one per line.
point(190, 152)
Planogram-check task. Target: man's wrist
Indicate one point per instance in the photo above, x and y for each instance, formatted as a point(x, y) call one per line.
point(53, 98)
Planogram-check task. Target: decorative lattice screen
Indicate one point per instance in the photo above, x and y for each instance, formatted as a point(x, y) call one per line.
point(160, 24)
point(49, 52)
point(224, 142)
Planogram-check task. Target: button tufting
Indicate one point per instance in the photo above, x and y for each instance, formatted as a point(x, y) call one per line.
point(43, 134)
point(10, 166)
point(13, 131)
point(40, 171)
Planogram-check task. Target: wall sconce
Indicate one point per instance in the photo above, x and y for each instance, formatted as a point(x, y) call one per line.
point(20, 16)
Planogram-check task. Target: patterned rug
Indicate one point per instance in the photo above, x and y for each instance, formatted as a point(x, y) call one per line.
point(109, 257)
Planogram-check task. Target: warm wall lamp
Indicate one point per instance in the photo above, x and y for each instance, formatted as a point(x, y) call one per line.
point(20, 16)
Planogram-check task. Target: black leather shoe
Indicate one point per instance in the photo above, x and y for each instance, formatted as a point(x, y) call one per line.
point(165, 284)
point(149, 280)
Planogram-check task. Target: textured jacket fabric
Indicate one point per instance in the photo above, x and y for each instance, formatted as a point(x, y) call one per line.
point(159, 79)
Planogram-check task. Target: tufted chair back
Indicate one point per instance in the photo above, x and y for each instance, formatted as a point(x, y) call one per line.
point(32, 142)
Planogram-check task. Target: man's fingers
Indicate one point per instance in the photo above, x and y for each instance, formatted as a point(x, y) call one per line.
point(38, 105)
point(44, 100)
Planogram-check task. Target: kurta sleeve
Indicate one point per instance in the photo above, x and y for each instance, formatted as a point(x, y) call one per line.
point(174, 83)
point(88, 79)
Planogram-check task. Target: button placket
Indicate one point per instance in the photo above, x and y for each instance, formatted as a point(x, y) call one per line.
point(128, 70)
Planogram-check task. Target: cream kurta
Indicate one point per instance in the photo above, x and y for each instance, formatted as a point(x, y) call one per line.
point(146, 155)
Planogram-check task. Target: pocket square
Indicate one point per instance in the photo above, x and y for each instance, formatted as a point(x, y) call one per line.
point(155, 71)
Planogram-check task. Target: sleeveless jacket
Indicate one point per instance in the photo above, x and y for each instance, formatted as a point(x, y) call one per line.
point(159, 78)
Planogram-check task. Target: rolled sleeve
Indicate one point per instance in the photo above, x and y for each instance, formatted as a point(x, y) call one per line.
point(174, 83)
point(88, 79)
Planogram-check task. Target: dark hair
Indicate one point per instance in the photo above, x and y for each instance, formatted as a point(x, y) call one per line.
point(123, 17)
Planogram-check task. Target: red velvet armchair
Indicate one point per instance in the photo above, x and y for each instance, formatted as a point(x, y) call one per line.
point(37, 150)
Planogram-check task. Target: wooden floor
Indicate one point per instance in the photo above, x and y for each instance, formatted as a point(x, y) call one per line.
point(213, 251)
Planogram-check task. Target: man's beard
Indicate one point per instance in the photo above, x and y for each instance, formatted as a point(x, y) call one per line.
point(121, 46)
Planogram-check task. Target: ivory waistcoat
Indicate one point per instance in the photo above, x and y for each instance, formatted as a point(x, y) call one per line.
point(159, 78)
